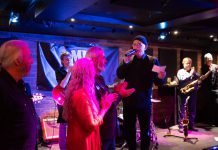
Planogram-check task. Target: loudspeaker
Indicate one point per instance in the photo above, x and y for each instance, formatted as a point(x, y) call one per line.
point(50, 129)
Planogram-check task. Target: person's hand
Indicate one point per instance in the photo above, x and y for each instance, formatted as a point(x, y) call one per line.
point(192, 71)
point(70, 68)
point(121, 89)
point(127, 59)
point(108, 99)
point(162, 74)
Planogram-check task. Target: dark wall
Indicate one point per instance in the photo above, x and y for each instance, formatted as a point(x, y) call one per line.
point(167, 57)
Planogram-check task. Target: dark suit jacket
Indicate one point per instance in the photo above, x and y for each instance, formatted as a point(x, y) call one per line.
point(139, 75)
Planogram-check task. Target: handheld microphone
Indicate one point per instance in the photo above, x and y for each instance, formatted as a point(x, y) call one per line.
point(133, 51)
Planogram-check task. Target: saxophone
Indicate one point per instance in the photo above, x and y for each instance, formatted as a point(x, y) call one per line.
point(191, 86)
point(185, 120)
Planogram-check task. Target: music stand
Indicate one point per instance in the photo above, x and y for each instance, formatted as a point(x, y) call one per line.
point(185, 126)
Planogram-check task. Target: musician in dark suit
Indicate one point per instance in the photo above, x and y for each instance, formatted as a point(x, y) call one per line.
point(136, 69)
point(108, 129)
point(63, 76)
point(210, 90)
point(185, 76)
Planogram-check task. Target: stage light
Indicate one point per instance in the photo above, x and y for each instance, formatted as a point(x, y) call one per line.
point(215, 39)
point(14, 17)
point(72, 20)
point(130, 27)
point(162, 36)
point(163, 25)
point(211, 36)
point(214, 148)
point(175, 32)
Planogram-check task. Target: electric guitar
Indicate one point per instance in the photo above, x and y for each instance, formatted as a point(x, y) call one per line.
point(58, 95)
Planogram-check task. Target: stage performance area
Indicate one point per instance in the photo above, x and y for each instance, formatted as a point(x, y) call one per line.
point(207, 140)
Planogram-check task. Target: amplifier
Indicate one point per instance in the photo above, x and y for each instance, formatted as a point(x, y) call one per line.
point(50, 129)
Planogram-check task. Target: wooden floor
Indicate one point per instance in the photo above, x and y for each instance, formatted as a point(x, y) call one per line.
point(207, 136)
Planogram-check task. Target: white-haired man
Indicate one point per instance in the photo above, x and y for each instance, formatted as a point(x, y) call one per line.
point(209, 89)
point(17, 113)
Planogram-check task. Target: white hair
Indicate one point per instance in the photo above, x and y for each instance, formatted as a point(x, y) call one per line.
point(10, 51)
point(208, 56)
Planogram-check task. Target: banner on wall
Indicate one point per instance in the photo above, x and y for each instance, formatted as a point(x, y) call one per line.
point(48, 60)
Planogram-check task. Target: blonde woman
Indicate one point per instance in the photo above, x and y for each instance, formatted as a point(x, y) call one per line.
point(82, 110)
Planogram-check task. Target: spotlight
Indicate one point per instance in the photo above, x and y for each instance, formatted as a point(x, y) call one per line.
point(162, 36)
point(72, 19)
point(211, 36)
point(130, 27)
point(175, 32)
point(215, 39)
point(163, 25)
point(14, 17)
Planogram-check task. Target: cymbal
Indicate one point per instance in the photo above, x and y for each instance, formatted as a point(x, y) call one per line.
point(155, 100)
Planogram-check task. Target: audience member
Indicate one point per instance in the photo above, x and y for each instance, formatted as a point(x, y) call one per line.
point(82, 110)
point(110, 127)
point(17, 113)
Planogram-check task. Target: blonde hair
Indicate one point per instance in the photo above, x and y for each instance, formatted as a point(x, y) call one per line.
point(82, 77)
point(185, 59)
point(93, 53)
point(10, 51)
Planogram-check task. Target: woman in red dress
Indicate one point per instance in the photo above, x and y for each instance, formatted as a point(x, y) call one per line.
point(82, 110)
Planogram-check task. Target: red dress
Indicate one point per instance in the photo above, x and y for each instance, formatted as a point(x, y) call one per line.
point(83, 128)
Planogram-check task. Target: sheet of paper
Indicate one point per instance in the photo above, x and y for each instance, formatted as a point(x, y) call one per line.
point(158, 69)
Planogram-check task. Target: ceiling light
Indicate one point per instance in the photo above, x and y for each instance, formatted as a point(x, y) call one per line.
point(162, 36)
point(14, 17)
point(175, 32)
point(211, 36)
point(130, 27)
point(215, 39)
point(72, 20)
point(163, 25)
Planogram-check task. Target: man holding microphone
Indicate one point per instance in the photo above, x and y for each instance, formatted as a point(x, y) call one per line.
point(136, 69)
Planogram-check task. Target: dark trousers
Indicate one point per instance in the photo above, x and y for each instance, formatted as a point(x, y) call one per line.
point(191, 107)
point(144, 117)
point(108, 144)
point(214, 107)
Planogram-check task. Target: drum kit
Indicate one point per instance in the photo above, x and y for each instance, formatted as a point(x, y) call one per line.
point(153, 134)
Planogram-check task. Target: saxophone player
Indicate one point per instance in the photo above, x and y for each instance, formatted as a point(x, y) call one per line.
point(185, 76)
